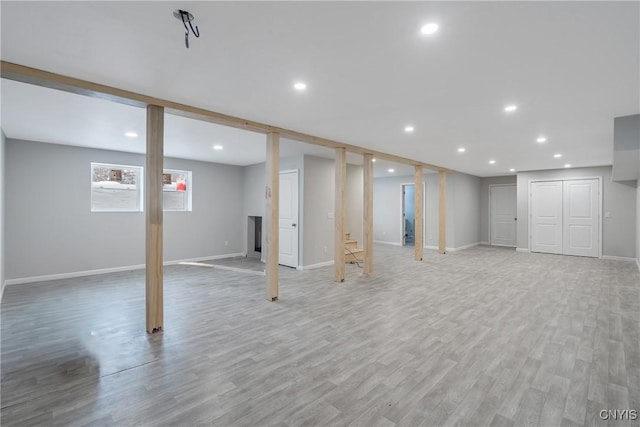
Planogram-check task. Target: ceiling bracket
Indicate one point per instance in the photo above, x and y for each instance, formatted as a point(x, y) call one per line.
point(186, 18)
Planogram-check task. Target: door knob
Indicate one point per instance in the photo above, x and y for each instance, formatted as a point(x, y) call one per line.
point(293, 225)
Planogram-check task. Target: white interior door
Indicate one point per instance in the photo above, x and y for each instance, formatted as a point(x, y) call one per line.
point(288, 218)
point(546, 217)
point(503, 215)
point(581, 217)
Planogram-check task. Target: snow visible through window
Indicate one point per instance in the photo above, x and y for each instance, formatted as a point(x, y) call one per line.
point(116, 188)
point(176, 190)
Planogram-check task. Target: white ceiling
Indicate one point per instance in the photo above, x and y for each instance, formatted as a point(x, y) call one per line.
point(70, 119)
point(571, 67)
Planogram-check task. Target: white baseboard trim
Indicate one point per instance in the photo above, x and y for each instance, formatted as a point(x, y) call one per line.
point(73, 274)
point(619, 258)
point(314, 266)
point(384, 242)
point(470, 245)
point(485, 243)
point(203, 258)
point(460, 248)
point(523, 250)
point(435, 248)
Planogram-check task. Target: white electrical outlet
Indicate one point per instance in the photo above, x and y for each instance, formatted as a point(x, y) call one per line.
point(324, 248)
point(226, 243)
point(330, 215)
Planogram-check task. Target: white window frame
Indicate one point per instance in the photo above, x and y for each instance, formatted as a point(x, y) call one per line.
point(139, 185)
point(188, 192)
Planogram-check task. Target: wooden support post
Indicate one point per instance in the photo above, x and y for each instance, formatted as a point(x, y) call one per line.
point(442, 215)
point(153, 218)
point(368, 214)
point(272, 214)
point(418, 213)
point(338, 247)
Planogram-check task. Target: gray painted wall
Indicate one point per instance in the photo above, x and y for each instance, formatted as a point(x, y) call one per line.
point(387, 209)
point(319, 186)
point(484, 202)
point(626, 148)
point(253, 196)
point(254, 184)
point(618, 231)
point(465, 209)
point(2, 216)
point(638, 224)
point(463, 200)
point(317, 189)
point(354, 203)
point(51, 229)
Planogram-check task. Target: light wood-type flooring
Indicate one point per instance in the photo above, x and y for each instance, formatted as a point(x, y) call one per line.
point(484, 336)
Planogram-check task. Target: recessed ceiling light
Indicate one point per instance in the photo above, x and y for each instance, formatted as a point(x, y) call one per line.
point(492, 162)
point(461, 150)
point(390, 170)
point(373, 160)
point(300, 86)
point(557, 155)
point(510, 108)
point(541, 139)
point(408, 129)
point(131, 134)
point(217, 147)
point(512, 170)
point(429, 28)
point(567, 165)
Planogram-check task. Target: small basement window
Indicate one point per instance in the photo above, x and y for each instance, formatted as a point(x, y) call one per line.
point(116, 188)
point(176, 190)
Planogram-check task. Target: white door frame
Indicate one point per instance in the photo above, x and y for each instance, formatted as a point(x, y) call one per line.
point(568, 178)
point(503, 185)
point(299, 225)
point(424, 212)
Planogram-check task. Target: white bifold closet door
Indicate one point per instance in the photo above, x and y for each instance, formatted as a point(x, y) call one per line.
point(580, 217)
point(546, 217)
point(565, 217)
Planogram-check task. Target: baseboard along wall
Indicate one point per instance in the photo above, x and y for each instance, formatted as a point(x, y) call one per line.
point(109, 270)
point(314, 266)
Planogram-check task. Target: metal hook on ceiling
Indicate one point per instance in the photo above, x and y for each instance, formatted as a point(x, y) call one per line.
point(186, 18)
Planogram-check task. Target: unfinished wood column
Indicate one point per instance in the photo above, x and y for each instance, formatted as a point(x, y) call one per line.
point(271, 226)
point(153, 218)
point(367, 222)
point(338, 246)
point(442, 215)
point(418, 213)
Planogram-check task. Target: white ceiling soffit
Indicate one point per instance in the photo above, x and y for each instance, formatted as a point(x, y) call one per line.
point(570, 67)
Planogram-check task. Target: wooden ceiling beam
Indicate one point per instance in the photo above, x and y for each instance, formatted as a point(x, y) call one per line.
point(21, 73)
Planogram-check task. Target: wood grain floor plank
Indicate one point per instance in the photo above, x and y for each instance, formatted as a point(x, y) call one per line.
point(480, 337)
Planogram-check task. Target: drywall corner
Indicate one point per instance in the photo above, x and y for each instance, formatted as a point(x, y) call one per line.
point(2, 217)
point(638, 225)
